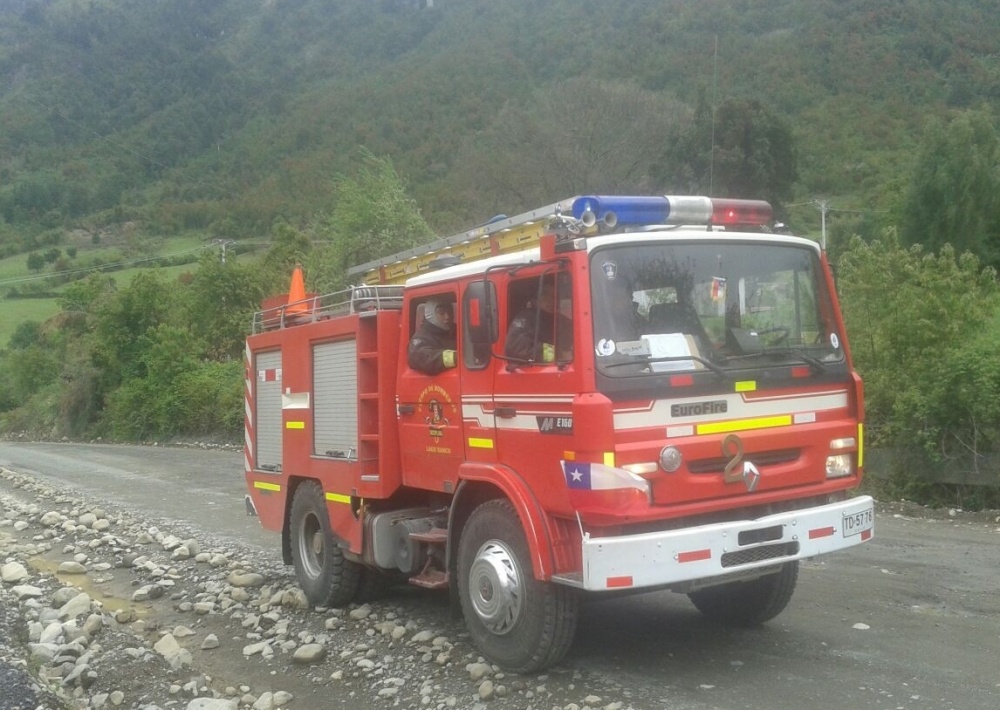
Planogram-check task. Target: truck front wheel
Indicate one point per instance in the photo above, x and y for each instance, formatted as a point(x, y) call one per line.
point(518, 622)
point(748, 603)
point(323, 573)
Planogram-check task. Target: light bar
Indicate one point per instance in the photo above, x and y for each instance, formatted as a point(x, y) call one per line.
point(610, 211)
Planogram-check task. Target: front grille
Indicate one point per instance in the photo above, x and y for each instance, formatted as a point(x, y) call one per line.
point(759, 459)
point(759, 554)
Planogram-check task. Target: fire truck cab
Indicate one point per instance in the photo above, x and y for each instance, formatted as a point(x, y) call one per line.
point(647, 393)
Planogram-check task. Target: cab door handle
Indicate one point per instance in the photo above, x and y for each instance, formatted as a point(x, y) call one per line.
point(505, 412)
point(407, 408)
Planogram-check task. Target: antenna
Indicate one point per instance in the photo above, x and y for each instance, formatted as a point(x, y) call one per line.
point(711, 155)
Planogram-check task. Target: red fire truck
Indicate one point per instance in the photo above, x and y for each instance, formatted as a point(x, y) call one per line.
point(691, 422)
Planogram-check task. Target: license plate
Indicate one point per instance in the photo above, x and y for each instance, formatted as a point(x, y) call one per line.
point(857, 523)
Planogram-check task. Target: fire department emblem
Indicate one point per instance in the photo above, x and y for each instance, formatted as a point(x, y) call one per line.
point(438, 408)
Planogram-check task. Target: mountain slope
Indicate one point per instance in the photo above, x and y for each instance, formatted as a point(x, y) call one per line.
point(182, 114)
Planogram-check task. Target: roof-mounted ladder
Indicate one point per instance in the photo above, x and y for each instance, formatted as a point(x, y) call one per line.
point(499, 236)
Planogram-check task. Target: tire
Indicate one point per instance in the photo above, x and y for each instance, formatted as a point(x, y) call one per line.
point(323, 573)
point(519, 623)
point(751, 603)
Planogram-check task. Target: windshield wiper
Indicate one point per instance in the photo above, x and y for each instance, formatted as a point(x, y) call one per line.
point(639, 360)
point(817, 365)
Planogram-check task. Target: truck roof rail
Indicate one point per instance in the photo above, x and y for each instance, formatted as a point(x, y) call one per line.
point(278, 312)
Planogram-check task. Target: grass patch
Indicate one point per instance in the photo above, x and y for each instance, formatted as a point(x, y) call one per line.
point(18, 310)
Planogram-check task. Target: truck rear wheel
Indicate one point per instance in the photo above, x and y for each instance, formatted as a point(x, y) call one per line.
point(323, 573)
point(748, 603)
point(518, 622)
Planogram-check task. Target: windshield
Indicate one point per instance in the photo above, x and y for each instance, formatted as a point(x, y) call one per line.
point(670, 307)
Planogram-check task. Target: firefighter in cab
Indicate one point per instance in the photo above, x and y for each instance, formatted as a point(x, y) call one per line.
point(432, 348)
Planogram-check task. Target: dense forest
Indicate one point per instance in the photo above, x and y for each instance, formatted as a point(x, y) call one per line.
point(330, 133)
point(227, 115)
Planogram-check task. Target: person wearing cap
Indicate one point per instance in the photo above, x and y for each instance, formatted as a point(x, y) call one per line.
point(432, 347)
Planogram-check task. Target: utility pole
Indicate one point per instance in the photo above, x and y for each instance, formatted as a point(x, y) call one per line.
point(824, 207)
point(223, 243)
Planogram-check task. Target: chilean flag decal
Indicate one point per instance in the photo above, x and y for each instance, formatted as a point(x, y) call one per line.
point(577, 474)
point(586, 476)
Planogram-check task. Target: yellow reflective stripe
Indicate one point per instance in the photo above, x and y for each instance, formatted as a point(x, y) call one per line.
point(295, 425)
point(265, 486)
point(338, 498)
point(861, 444)
point(480, 443)
point(746, 386)
point(744, 424)
point(609, 458)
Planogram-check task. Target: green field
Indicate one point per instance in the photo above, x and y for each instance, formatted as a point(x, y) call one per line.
point(14, 273)
point(17, 310)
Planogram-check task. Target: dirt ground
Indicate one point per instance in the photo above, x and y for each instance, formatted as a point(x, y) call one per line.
point(910, 620)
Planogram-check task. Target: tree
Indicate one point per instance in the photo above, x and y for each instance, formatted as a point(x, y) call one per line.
point(147, 404)
point(373, 217)
point(745, 151)
point(582, 136)
point(220, 303)
point(26, 334)
point(954, 192)
point(81, 296)
point(123, 325)
point(35, 261)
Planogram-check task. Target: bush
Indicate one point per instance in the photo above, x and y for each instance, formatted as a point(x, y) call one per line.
point(924, 332)
point(212, 399)
point(919, 328)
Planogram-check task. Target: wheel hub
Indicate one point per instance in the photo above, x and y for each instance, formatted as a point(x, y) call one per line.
point(495, 587)
point(311, 548)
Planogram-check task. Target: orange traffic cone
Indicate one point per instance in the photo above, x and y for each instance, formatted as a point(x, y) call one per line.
point(297, 294)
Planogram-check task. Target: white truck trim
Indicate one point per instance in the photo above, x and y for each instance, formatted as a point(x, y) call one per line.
point(657, 559)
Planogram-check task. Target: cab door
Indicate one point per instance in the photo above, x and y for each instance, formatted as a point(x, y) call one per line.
point(430, 410)
point(534, 401)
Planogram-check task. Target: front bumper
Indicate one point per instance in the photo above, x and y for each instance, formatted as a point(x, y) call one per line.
point(673, 557)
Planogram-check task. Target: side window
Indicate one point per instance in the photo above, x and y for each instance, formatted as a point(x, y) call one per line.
point(480, 324)
point(540, 329)
point(433, 341)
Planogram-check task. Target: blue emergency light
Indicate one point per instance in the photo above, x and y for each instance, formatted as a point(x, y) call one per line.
point(611, 211)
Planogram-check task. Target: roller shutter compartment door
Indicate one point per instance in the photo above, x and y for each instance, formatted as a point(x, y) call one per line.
point(268, 411)
point(335, 399)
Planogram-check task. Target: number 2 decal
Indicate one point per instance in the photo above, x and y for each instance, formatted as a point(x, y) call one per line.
point(732, 449)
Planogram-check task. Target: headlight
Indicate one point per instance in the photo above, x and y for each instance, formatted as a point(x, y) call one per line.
point(670, 459)
point(839, 466)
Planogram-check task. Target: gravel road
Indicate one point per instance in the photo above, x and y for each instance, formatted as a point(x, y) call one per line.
point(185, 604)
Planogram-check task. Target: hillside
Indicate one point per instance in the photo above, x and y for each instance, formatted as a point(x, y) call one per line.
point(220, 117)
